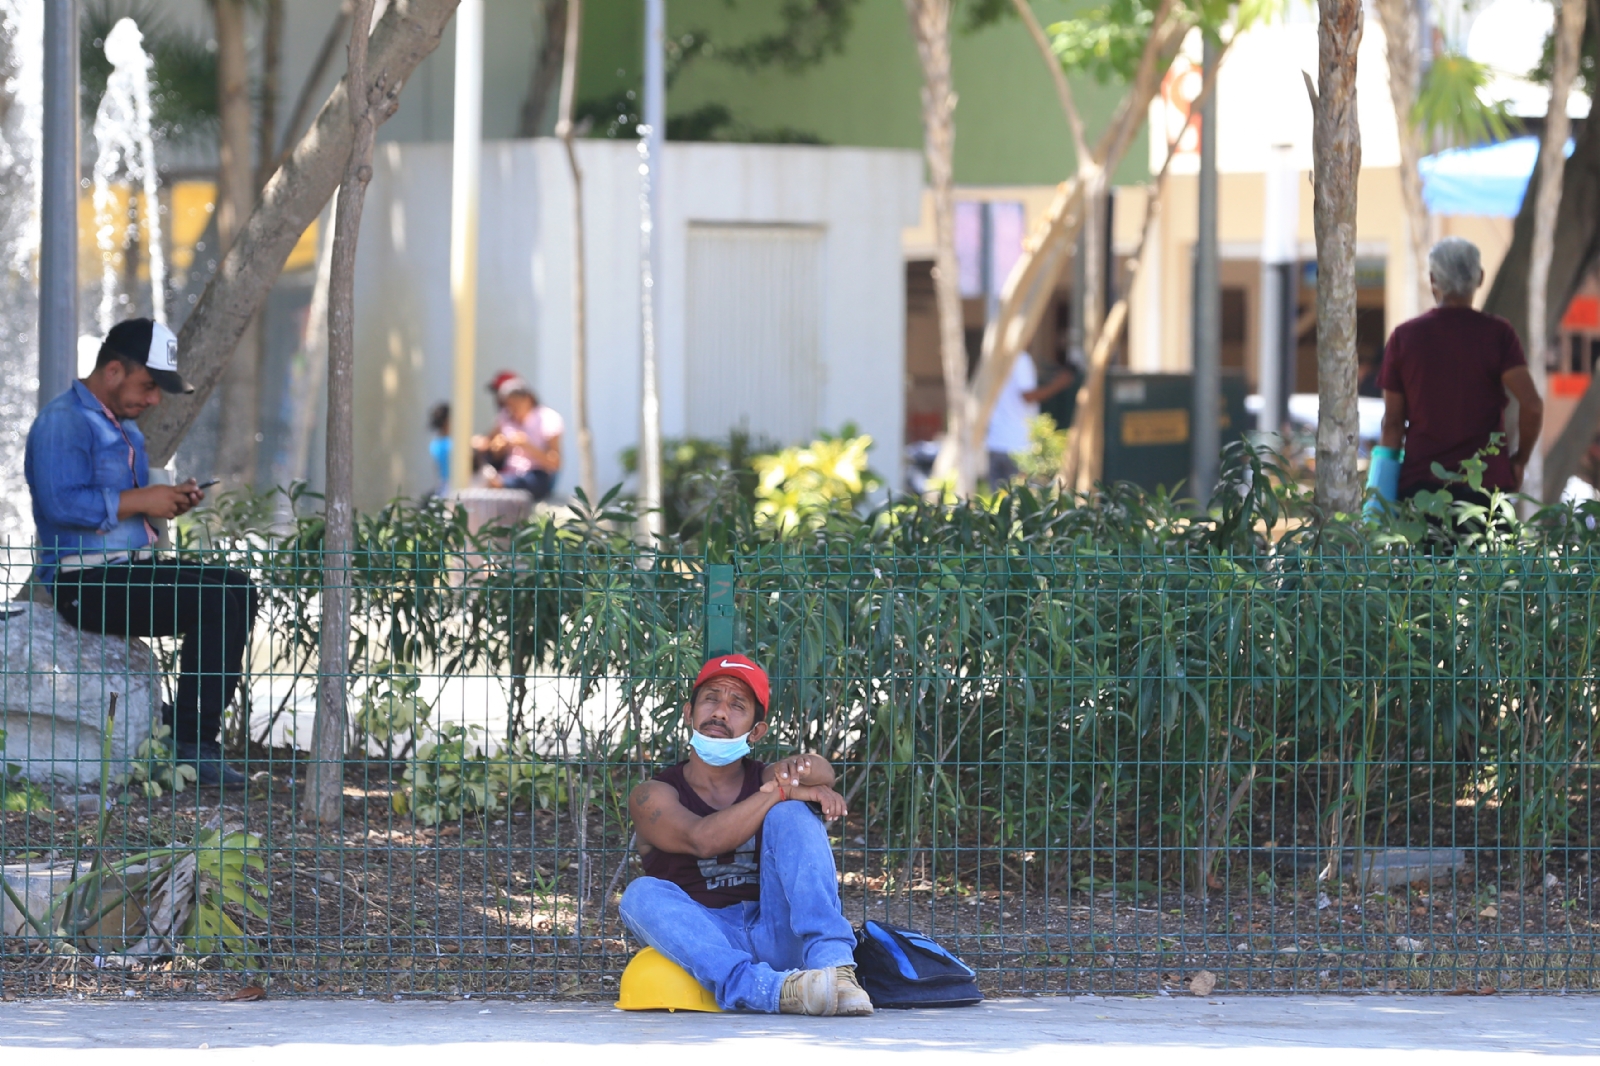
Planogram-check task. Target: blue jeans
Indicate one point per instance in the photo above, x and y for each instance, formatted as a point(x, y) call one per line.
point(743, 952)
point(536, 483)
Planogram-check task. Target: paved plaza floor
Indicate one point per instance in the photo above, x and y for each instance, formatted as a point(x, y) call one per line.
point(1237, 1031)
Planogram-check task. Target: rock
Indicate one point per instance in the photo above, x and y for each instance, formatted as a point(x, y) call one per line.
point(36, 885)
point(1401, 866)
point(507, 507)
point(88, 803)
point(55, 685)
point(142, 909)
point(1203, 983)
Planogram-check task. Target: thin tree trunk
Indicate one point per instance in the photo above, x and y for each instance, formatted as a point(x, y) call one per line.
point(309, 371)
point(547, 64)
point(1028, 290)
point(271, 90)
point(1058, 78)
point(1402, 32)
point(1336, 149)
point(308, 88)
point(236, 196)
point(325, 785)
point(1577, 247)
point(573, 16)
point(1083, 461)
point(1552, 170)
point(405, 35)
point(930, 29)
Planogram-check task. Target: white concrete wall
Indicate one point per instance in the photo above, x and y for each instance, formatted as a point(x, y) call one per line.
point(861, 198)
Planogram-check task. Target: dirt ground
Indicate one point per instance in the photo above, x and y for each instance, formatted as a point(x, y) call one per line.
point(513, 906)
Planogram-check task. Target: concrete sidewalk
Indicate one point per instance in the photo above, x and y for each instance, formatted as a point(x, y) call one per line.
point(1236, 1031)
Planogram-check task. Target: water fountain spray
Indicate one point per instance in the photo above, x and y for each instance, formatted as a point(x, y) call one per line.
point(21, 153)
point(124, 146)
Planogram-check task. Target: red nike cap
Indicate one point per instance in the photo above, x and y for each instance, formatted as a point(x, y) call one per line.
point(740, 667)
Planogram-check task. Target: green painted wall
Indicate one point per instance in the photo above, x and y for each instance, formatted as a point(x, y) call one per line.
point(1009, 127)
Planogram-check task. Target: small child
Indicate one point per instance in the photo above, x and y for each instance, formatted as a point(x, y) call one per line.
point(439, 446)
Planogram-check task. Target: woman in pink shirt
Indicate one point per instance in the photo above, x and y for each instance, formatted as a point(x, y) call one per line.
point(530, 435)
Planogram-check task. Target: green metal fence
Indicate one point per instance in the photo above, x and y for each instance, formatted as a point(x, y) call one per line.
point(1082, 766)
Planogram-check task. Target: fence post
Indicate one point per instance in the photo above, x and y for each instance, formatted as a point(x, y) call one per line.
point(719, 609)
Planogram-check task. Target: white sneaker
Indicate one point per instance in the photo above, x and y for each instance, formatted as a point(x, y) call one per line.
point(810, 992)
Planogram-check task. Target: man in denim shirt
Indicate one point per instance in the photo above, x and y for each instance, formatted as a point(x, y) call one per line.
point(89, 477)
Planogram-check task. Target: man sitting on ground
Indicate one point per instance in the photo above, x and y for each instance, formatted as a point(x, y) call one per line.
point(89, 476)
point(741, 889)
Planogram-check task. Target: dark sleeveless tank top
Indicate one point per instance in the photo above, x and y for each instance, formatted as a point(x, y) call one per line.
point(726, 879)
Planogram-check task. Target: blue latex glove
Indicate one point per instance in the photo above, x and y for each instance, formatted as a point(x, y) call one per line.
point(1383, 474)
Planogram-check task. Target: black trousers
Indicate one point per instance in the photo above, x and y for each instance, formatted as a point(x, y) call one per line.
point(212, 607)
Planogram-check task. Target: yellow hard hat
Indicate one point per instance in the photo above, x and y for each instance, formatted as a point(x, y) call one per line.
point(654, 982)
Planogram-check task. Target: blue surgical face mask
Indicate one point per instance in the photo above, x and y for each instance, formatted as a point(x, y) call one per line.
point(719, 751)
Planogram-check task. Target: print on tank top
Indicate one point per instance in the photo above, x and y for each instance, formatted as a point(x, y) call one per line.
point(743, 870)
point(721, 880)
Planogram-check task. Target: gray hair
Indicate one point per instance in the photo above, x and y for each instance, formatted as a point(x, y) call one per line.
point(1455, 267)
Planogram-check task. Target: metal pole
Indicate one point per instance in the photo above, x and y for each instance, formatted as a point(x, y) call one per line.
point(1206, 436)
point(652, 133)
point(465, 168)
point(58, 209)
point(1280, 228)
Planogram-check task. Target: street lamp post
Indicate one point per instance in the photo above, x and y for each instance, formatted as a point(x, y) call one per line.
point(653, 129)
point(465, 169)
point(1205, 434)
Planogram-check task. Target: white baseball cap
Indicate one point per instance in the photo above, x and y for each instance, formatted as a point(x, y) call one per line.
point(148, 342)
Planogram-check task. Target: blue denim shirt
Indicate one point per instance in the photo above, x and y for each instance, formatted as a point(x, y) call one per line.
point(77, 468)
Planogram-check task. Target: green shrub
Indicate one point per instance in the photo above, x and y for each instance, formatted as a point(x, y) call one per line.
point(153, 768)
point(452, 776)
point(1041, 463)
point(802, 488)
point(16, 792)
point(696, 473)
point(1035, 670)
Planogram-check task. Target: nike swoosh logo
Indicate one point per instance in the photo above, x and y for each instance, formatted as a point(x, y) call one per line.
point(726, 665)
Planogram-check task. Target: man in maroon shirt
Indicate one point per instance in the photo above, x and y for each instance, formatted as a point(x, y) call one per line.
point(1445, 377)
point(740, 887)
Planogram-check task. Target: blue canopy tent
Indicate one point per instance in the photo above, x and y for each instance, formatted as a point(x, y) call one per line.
point(1489, 180)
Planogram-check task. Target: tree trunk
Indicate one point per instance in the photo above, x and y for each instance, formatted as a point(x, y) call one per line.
point(1552, 169)
point(236, 196)
point(1577, 246)
point(308, 88)
point(325, 784)
point(572, 15)
point(1402, 31)
point(309, 371)
point(271, 90)
point(930, 28)
point(1336, 148)
point(547, 66)
point(406, 34)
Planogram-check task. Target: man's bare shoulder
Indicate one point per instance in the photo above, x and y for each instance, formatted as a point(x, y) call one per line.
point(650, 798)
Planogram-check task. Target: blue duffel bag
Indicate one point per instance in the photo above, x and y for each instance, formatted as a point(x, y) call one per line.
point(901, 969)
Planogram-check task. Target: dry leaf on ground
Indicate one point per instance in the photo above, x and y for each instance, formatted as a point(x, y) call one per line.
point(246, 994)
